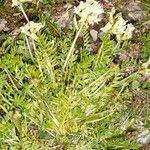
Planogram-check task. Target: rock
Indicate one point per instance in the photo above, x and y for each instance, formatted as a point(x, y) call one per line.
point(90, 50)
point(94, 47)
point(137, 15)
point(136, 11)
point(144, 138)
point(94, 34)
point(123, 57)
point(134, 6)
point(3, 21)
point(62, 21)
point(2, 25)
point(144, 78)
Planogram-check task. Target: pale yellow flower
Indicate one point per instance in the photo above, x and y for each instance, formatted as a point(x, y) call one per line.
point(107, 27)
point(111, 15)
point(89, 11)
point(128, 32)
point(31, 28)
point(118, 26)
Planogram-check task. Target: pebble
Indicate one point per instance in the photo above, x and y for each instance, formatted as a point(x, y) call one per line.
point(136, 11)
point(62, 21)
point(2, 24)
point(94, 35)
point(144, 137)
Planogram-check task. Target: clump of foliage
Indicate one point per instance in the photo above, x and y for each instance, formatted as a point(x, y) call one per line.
point(44, 105)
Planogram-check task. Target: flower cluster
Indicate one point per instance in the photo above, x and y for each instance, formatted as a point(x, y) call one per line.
point(19, 2)
point(31, 28)
point(118, 26)
point(89, 11)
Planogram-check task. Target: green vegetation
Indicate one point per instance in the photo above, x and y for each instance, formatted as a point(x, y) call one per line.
point(84, 106)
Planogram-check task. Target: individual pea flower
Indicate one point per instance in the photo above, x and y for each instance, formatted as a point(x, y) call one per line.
point(31, 28)
point(128, 32)
point(118, 26)
point(19, 2)
point(89, 11)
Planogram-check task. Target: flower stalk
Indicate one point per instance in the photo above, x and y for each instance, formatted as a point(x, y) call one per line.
point(72, 46)
point(18, 3)
point(30, 51)
point(26, 17)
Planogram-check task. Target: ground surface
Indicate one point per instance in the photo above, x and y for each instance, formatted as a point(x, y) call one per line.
point(42, 107)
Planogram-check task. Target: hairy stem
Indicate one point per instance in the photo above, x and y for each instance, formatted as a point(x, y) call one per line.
point(24, 13)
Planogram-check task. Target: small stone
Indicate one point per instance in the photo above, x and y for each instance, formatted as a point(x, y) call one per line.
point(144, 138)
point(136, 11)
point(2, 24)
point(94, 35)
point(134, 6)
point(144, 78)
point(94, 47)
point(77, 52)
point(62, 21)
point(6, 29)
point(137, 16)
point(123, 57)
point(3, 21)
point(90, 50)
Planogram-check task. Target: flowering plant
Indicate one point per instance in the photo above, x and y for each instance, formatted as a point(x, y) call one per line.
point(31, 28)
point(89, 11)
point(118, 26)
